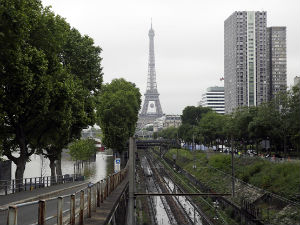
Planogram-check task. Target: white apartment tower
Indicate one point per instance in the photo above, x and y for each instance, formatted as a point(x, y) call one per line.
point(214, 99)
point(245, 65)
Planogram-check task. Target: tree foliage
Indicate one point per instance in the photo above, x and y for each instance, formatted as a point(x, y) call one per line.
point(192, 115)
point(117, 109)
point(277, 121)
point(82, 149)
point(50, 74)
point(168, 133)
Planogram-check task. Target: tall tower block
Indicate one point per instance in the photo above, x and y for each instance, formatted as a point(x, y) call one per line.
point(151, 107)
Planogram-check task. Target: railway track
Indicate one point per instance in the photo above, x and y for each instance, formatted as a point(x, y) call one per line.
point(182, 208)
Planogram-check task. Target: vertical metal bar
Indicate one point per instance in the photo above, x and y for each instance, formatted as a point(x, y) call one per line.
point(130, 212)
point(25, 188)
point(107, 186)
point(104, 189)
point(232, 168)
point(12, 215)
point(30, 184)
point(42, 212)
point(6, 185)
point(98, 194)
point(101, 191)
point(59, 210)
point(13, 186)
point(35, 183)
point(81, 207)
point(72, 209)
point(95, 196)
point(89, 203)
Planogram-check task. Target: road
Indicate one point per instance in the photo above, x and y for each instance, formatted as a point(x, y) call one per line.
point(28, 214)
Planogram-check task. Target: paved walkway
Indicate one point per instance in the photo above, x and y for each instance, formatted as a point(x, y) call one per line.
point(40, 193)
point(99, 217)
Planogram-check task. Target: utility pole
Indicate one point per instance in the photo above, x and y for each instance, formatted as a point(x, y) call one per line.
point(232, 168)
point(193, 147)
point(131, 174)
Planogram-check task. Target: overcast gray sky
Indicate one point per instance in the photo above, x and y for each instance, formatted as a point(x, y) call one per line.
point(188, 40)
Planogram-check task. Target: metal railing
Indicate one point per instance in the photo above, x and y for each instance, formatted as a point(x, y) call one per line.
point(119, 210)
point(28, 184)
point(80, 204)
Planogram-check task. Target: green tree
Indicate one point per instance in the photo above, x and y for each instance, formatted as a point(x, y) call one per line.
point(266, 123)
point(186, 132)
point(117, 109)
point(293, 120)
point(73, 104)
point(50, 74)
point(242, 117)
point(26, 84)
point(211, 127)
point(168, 133)
point(192, 114)
point(82, 149)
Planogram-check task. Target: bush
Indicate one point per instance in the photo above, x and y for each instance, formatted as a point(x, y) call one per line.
point(221, 162)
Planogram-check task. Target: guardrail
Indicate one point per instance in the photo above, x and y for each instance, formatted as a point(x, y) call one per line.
point(82, 204)
point(119, 210)
point(27, 184)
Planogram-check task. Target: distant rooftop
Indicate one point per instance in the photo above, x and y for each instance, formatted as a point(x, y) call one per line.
point(215, 89)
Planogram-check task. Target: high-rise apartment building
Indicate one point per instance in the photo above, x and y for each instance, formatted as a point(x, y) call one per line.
point(214, 99)
point(276, 58)
point(245, 64)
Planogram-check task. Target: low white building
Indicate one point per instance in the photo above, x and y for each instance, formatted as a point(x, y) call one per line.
point(166, 121)
point(214, 99)
point(172, 121)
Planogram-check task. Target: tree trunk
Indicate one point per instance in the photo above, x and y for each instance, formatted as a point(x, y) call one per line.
point(58, 167)
point(58, 170)
point(24, 155)
point(19, 174)
point(52, 168)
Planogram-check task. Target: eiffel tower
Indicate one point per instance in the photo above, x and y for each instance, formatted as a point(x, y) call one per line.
point(151, 109)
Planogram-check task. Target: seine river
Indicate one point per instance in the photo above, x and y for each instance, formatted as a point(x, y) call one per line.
point(39, 166)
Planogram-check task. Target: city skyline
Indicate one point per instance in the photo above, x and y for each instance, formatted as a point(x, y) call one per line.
point(189, 41)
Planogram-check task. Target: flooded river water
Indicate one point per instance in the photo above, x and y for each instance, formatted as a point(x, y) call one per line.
point(39, 166)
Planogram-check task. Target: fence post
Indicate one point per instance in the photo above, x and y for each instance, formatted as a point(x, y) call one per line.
point(98, 194)
point(104, 189)
point(81, 207)
point(42, 212)
point(13, 186)
point(114, 182)
point(95, 196)
point(72, 209)
point(59, 210)
point(107, 186)
point(101, 191)
point(89, 206)
point(6, 185)
point(12, 215)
